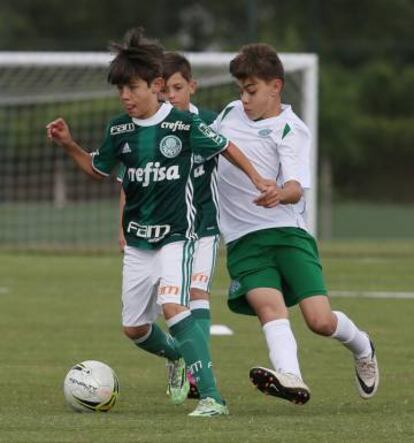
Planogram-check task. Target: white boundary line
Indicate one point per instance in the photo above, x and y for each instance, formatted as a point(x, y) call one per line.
point(351, 294)
point(373, 294)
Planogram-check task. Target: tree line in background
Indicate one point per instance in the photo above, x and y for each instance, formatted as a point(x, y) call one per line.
point(366, 50)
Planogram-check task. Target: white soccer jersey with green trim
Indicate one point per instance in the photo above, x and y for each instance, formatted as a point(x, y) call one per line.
point(279, 148)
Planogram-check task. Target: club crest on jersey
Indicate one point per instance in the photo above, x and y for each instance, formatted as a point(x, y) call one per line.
point(170, 146)
point(120, 129)
point(234, 286)
point(264, 132)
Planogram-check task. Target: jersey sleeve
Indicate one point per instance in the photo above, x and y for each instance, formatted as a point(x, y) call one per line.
point(294, 153)
point(204, 141)
point(121, 173)
point(104, 159)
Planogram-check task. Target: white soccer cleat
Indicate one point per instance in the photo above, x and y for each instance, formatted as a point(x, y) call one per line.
point(282, 385)
point(208, 407)
point(367, 374)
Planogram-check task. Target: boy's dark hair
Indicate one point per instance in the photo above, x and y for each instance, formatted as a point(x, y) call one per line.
point(137, 56)
point(174, 62)
point(257, 60)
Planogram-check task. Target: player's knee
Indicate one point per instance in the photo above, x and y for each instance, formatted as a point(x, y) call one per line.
point(136, 332)
point(269, 312)
point(321, 325)
point(170, 310)
point(198, 294)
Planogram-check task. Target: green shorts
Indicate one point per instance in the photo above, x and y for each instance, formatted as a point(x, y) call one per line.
point(285, 259)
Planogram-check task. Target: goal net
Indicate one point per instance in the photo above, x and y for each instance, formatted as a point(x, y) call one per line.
point(46, 203)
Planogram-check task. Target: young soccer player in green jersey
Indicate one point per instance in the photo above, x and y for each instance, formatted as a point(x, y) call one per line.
point(178, 89)
point(157, 144)
point(272, 259)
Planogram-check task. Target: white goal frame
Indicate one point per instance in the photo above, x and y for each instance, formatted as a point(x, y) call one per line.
point(304, 62)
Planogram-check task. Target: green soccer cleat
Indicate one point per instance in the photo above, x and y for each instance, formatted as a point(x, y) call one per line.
point(208, 407)
point(178, 384)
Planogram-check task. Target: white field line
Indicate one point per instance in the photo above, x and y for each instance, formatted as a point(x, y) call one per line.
point(4, 290)
point(351, 294)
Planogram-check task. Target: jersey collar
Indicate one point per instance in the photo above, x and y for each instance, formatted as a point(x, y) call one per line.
point(286, 109)
point(193, 109)
point(158, 117)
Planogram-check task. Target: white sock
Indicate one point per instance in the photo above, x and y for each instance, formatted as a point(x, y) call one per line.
point(282, 346)
point(177, 318)
point(199, 304)
point(351, 337)
point(144, 337)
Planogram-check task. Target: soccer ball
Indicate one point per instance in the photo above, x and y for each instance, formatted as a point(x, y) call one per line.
point(91, 386)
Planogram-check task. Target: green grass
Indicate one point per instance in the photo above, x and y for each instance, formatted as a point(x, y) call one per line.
point(58, 310)
point(372, 220)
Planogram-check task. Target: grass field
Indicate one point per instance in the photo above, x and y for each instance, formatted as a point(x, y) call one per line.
point(58, 310)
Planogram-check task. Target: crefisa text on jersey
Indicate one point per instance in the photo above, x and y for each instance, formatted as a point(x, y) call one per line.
point(178, 125)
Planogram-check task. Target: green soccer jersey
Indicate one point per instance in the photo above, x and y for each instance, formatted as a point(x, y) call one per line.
point(158, 154)
point(205, 186)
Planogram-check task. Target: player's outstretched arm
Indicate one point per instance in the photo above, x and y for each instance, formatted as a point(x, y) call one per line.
point(268, 189)
point(58, 131)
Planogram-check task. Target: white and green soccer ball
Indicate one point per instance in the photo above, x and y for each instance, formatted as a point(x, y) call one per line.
point(91, 386)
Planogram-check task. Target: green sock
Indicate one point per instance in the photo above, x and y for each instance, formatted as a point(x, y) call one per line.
point(194, 348)
point(159, 343)
point(203, 319)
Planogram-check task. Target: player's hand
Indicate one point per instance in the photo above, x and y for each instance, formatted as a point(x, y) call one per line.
point(58, 131)
point(269, 197)
point(121, 240)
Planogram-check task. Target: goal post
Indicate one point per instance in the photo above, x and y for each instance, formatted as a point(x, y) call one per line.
point(45, 202)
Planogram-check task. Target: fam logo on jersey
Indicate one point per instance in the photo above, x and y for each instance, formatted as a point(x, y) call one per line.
point(264, 132)
point(120, 129)
point(170, 146)
point(208, 132)
point(151, 233)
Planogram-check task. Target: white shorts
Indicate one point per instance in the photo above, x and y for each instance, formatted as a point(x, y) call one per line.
point(152, 278)
point(204, 262)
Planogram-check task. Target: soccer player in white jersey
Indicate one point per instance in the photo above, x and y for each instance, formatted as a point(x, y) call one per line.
point(158, 143)
point(179, 87)
point(272, 259)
